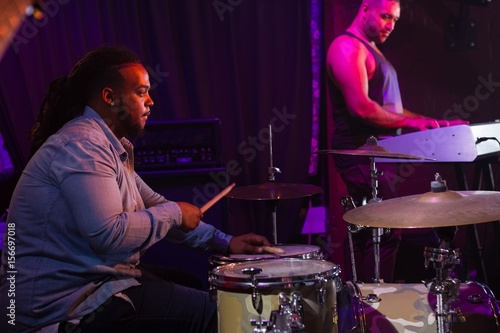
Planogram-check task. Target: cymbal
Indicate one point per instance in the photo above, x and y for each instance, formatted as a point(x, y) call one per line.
point(274, 191)
point(442, 209)
point(369, 150)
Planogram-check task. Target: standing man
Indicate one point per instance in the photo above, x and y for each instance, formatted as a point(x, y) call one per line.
point(364, 91)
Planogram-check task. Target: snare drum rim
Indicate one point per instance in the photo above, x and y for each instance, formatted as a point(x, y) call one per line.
point(271, 282)
point(221, 259)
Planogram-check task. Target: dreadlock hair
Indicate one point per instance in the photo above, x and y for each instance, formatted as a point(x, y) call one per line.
point(67, 96)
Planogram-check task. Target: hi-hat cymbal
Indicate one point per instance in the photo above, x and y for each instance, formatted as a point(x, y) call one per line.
point(442, 209)
point(370, 150)
point(274, 191)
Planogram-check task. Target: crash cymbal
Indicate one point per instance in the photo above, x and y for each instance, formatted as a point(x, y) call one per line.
point(442, 209)
point(274, 191)
point(373, 151)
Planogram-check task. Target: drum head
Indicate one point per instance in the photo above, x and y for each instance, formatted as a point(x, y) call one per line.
point(287, 270)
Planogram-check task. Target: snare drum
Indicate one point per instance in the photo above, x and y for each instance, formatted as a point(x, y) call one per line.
point(291, 251)
point(390, 308)
point(290, 292)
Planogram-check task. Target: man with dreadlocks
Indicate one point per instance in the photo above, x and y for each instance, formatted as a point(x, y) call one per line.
point(83, 217)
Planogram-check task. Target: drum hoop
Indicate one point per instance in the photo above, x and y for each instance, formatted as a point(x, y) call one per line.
point(224, 259)
point(357, 305)
point(269, 282)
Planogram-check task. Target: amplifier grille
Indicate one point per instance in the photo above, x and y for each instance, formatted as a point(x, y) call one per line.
point(170, 145)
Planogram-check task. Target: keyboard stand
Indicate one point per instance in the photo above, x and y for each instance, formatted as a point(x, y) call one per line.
point(483, 175)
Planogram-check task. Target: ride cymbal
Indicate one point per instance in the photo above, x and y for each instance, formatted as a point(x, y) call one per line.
point(274, 191)
point(431, 209)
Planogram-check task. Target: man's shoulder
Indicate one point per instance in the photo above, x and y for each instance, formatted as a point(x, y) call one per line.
point(344, 40)
point(82, 129)
point(83, 125)
point(345, 48)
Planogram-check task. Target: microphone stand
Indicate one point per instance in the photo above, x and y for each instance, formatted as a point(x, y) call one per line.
point(272, 170)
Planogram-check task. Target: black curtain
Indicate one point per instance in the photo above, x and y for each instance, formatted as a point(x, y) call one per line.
point(247, 63)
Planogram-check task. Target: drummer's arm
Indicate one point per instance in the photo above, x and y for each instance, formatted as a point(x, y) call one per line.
point(207, 237)
point(204, 237)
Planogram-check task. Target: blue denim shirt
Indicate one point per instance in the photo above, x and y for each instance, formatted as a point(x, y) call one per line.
point(82, 219)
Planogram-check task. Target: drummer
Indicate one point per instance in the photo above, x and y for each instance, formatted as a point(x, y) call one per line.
point(366, 101)
point(82, 217)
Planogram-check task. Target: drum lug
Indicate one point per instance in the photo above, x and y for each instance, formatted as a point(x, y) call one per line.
point(257, 301)
point(256, 296)
point(321, 291)
point(212, 293)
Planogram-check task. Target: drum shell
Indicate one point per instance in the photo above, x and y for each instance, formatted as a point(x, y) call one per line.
point(411, 308)
point(234, 296)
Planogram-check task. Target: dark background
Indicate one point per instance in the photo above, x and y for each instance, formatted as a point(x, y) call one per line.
point(246, 62)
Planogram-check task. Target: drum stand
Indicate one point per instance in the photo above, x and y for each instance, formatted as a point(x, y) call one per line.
point(348, 203)
point(376, 232)
point(272, 170)
point(443, 286)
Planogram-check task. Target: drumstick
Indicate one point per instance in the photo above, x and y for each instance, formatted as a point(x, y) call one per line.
point(273, 250)
point(217, 198)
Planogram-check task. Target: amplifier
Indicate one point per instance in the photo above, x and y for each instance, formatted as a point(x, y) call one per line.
point(182, 144)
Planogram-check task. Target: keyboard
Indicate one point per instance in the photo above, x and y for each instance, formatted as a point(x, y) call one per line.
point(462, 143)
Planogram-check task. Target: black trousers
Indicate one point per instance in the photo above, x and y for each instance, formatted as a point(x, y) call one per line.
point(162, 303)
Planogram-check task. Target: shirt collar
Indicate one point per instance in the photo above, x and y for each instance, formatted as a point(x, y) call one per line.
point(118, 144)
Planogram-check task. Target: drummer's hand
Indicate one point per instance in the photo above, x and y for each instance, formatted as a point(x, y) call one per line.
point(191, 216)
point(248, 243)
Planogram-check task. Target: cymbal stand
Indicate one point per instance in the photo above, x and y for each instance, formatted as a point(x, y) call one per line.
point(376, 232)
point(443, 286)
point(348, 203)
point(272, 170)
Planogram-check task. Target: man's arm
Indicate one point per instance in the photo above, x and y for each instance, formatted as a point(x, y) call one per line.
point(347, 61)
point(205, 236)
